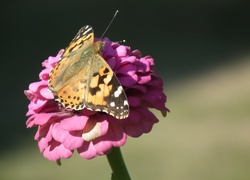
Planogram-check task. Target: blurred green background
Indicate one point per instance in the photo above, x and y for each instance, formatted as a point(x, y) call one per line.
point(201, 50)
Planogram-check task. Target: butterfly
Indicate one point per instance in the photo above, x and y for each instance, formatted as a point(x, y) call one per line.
point(83, 79)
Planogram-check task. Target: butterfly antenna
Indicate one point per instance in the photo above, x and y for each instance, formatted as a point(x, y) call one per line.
point(109, 23)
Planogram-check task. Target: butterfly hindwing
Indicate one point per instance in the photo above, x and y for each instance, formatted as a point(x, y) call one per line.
point(83, 79)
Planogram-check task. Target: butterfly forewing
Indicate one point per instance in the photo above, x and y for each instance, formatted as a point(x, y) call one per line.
point(105, 92)
point(83, 38)
point(83, 79)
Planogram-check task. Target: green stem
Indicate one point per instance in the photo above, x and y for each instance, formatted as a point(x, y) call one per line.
point(117, 165)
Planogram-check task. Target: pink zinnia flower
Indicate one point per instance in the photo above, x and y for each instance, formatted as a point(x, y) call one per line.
point(92, 133)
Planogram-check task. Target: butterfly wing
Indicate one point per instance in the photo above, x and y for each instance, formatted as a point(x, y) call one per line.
point(64, 78)
point(83, 38)
point(104, 91)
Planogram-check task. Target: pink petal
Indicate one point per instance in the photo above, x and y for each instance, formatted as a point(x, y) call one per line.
point(122, 51)
point(74, 123)
point(56, 151)
point(128, 81)
point(88, 151)
point(70, 140)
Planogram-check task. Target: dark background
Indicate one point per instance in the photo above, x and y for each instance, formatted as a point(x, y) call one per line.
point(184, 37)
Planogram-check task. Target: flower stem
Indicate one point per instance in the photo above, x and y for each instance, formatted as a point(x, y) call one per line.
point(117, 165)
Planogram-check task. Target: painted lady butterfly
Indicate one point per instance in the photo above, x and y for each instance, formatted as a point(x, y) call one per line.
point(83, 79)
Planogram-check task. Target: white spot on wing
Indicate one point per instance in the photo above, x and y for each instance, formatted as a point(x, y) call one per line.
point(87, 29)
point(112, 104)
point(118, 91)
point(125, 103)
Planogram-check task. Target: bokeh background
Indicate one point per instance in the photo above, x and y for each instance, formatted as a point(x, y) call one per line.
point(201, 50)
